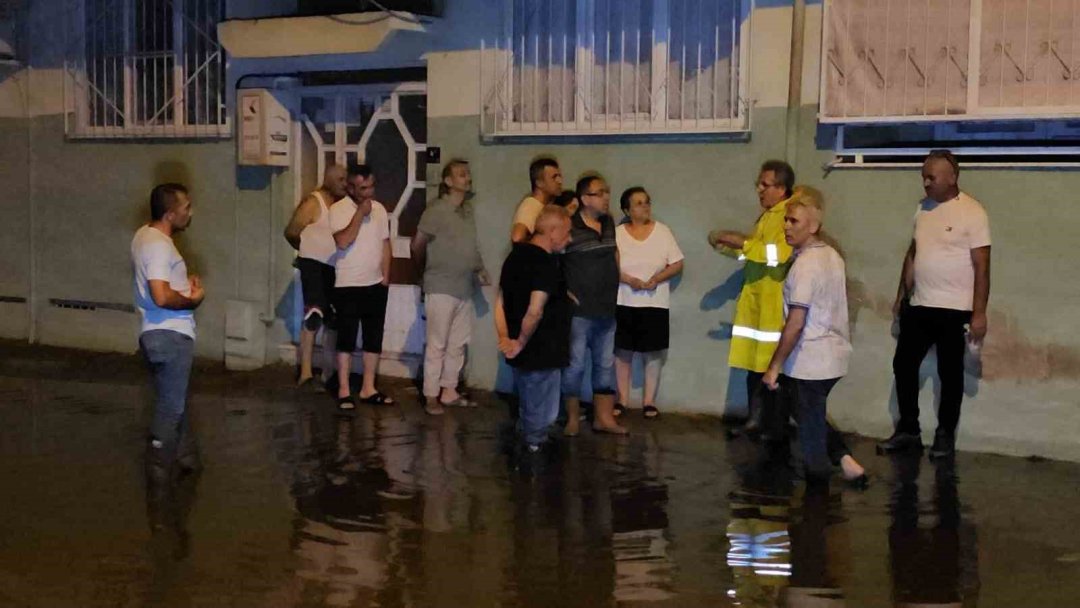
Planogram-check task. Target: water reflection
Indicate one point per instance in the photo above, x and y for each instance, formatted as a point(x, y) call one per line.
point(359, 510)
point(787, 543)
point(932, 545)
point(759, 552)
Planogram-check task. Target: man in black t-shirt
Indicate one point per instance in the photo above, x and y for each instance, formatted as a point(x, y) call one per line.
point(532, 320)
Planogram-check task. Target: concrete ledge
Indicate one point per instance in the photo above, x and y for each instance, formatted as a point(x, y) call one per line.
point(300, 36)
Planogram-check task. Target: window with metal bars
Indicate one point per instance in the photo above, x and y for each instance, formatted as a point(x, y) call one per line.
point(919, 60)
point(580, 67)
point(147, 68)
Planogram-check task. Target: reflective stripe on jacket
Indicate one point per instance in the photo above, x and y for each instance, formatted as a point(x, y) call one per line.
point(759, 312)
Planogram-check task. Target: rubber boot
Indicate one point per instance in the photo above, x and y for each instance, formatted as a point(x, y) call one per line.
point(187, 451)
point(160, 458)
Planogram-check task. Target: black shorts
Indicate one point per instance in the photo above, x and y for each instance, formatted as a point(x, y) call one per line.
point(642, 330)
point(356, 306)
point(317, 284)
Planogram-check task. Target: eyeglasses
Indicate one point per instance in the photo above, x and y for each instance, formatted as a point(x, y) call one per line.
point(598, 192)
point(765, 185)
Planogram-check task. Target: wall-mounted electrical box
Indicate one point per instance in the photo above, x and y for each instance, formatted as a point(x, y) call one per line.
point(265, 129)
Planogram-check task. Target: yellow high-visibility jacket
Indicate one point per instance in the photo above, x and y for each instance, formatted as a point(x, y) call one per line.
point(759, 312)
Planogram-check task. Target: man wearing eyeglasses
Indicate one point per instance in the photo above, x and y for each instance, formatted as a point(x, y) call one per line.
point(591, 265)
point(759, 312)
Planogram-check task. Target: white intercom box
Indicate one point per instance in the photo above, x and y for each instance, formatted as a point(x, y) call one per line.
point(265, 129)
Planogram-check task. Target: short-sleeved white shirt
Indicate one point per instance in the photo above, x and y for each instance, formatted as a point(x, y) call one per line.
point(155, 257)
point(642, 260)
point(360, 264)
point(527, 211)
point(945, 234)
point(817, 283)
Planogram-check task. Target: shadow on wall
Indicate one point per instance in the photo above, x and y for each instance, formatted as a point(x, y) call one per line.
point(735, 401)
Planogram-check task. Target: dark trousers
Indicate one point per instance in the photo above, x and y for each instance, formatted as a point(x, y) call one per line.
point(921, 328)
point(805, 400)
point(822, 445)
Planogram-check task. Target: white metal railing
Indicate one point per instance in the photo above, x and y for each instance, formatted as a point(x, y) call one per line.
point(584, 67)
point(146, 68)
point(905, 60)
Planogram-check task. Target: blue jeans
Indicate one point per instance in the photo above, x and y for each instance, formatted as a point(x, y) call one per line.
point(538, 399)
point(598, 337)
point(822, 446)
point(169, 355)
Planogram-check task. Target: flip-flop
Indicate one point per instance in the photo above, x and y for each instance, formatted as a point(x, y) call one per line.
point(619, 410)
point(461, 401)
point(650, 412)
point(346, 403)
point(377, 398)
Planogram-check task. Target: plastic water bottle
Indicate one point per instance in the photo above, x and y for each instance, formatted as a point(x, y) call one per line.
point(972, 354)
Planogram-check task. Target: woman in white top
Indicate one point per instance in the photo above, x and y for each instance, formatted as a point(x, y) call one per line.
point(649, 258)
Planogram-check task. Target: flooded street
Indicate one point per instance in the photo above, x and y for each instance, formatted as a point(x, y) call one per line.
point(301, 506)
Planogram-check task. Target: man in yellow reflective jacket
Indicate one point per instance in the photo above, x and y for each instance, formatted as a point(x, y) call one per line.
point(759, 311)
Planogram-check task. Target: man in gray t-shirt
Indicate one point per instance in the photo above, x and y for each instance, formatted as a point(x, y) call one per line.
point(445, 247)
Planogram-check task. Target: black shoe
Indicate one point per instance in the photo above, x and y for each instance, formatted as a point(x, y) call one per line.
point(944, 445)
point(858, 483)
point(900, 441)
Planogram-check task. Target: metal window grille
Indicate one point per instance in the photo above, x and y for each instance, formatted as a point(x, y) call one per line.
point(146, 68)
point(582, 67)
point(905, 60)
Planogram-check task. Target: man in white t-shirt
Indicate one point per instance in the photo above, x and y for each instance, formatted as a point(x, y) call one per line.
point(944, 286)
point(546, 181)
point(166, 297)
point(361, 230)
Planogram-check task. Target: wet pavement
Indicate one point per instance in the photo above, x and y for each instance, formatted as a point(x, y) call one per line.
point(299, 506)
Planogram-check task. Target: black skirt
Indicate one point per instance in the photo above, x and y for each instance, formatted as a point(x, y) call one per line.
point(642, 330)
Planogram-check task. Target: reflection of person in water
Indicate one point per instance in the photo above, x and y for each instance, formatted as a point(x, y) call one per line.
point(639, 522)
point(759, 552)
point(819, 550)
point(354, 533)
point(934, 561)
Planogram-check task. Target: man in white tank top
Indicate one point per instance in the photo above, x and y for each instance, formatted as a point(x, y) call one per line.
point(309, 233)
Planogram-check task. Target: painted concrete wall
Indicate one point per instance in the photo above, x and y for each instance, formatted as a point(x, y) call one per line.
point(86, 199)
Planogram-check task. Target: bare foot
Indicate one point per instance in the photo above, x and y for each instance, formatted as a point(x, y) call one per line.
point(611, 427)
point(851, 468)
point(572, 427)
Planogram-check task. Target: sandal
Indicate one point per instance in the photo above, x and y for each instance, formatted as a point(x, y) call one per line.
point(619, 410)
point(346, 403)
point(650, 412)
point(377, 398)
point(461, 401)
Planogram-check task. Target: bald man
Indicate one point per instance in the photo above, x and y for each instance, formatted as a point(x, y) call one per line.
point(532, 321)
point(310, 234)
